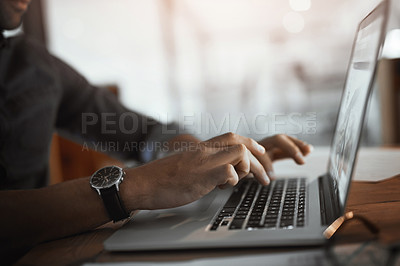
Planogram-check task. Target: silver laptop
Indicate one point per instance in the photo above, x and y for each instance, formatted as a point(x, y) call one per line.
point(288, 212)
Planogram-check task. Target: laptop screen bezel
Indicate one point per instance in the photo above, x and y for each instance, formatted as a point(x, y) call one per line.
point(381, 10)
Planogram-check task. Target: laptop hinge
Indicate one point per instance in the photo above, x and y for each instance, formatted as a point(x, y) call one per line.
point(328, 201)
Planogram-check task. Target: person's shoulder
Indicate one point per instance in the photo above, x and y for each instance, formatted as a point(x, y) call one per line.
point(27, 45)
point(24, 40)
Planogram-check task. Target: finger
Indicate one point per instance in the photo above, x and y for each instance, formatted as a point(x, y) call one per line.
point(225, 175)
point(258, 170)
point(244, 165)
point(303, 146)
point(237, 155)
point(289, 149)
point(266, 162)
point(233, 139)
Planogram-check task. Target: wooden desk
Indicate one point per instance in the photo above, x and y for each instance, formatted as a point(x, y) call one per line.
point(377, 201)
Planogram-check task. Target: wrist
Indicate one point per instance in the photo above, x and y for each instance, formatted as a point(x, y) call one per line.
point(106, 182)
point(134, 190)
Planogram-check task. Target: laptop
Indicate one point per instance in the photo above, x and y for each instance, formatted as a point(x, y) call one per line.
point(288, 212)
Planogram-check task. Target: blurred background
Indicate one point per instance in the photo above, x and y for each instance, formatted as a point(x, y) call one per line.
point(254, 67)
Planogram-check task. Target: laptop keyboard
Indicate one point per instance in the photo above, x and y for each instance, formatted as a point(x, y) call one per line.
point(253, 206)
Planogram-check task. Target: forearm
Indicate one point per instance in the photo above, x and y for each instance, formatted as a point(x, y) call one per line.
point(37, 215)
point(30, 217)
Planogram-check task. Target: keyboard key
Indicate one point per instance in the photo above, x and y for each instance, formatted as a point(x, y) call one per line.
point(234, 199)
point(229, 210)
point(286, 224)
point(236, 224)
point(269, 218)
point(219, 219)
point(253, 222)
point(222, 215)
point(289, 206)
point(288, 214)
point(217, 222)
point(255, 218)
point(270, 225)
point(214, 227)
point(224, 223)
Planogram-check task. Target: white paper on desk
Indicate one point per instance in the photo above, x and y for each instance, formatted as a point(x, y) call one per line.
point(300, 258)
point(373, 164)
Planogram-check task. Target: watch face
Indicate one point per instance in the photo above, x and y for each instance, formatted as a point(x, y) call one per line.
point(106, 177)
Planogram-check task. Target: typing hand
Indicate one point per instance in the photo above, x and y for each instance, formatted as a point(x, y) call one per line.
point(266, 151)
point(222, 161)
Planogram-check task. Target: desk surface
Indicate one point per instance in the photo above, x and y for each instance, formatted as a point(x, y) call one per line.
point(379, 202)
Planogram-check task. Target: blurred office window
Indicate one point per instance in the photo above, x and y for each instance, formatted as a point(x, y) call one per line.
point(256, 67)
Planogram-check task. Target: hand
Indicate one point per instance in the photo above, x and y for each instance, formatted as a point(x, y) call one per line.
point(255, 151)
point(185, 177)
point(266, 151)
point(281, 147)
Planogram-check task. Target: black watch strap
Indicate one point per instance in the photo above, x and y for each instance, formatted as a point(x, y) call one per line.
point(113, 203)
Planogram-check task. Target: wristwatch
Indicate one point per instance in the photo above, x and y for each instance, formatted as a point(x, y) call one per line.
point(106, 181)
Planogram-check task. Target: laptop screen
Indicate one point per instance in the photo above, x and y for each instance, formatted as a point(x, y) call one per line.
point(360, 75)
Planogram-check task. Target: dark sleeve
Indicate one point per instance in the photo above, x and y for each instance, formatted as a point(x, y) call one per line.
point(95, 118)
